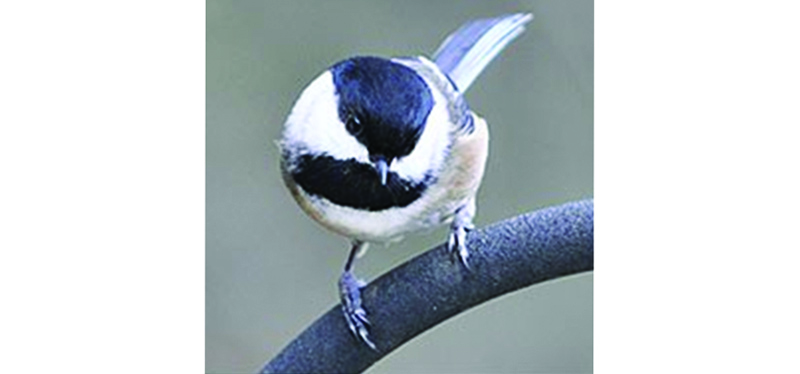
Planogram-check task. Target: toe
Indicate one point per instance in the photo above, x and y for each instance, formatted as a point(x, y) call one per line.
point(354, 313)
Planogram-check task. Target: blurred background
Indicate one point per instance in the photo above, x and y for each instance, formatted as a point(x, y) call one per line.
point(270, 270)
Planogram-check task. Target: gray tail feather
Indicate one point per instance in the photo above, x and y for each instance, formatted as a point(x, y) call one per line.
point(468, 50)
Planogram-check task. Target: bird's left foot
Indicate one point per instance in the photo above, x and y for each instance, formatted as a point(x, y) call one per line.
point(457, 242)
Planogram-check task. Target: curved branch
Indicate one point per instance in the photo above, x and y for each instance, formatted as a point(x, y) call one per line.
point(417, 295)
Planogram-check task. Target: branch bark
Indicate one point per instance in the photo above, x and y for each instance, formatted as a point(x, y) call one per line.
point(410, 299)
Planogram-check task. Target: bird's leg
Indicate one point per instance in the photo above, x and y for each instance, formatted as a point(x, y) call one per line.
point(350, 294)
point(457, 242)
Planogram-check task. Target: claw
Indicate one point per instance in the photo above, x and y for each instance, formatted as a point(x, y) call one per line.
point(462, 223)
point(457, 244)
point(354, 313)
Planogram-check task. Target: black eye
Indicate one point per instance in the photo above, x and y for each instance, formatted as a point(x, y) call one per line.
point(353, 124)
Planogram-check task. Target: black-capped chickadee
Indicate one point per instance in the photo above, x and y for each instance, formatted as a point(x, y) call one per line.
point(376, 148)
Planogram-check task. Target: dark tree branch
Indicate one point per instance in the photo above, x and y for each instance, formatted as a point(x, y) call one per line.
point(506, 256)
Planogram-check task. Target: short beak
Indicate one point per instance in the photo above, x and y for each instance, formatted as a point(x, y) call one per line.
point(383, 169)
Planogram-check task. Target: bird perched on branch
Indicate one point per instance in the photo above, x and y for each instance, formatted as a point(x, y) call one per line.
point(376, 148)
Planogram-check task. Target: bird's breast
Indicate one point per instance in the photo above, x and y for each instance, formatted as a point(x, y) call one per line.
point(342, 198)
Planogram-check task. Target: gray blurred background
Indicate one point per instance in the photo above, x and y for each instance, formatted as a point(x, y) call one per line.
point(270, 270)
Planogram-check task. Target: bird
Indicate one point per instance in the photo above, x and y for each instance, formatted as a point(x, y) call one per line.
point(375, 148)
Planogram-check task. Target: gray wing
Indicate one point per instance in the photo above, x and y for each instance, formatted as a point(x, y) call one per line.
point(468, 50)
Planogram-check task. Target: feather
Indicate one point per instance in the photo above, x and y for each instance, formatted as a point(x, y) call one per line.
point(468, 50)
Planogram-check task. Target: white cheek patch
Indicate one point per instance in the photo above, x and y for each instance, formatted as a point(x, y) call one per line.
point(432, 147)
point(314, 127)
point(314, 124)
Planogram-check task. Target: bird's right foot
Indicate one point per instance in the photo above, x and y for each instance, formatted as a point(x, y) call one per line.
point(354, 313)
